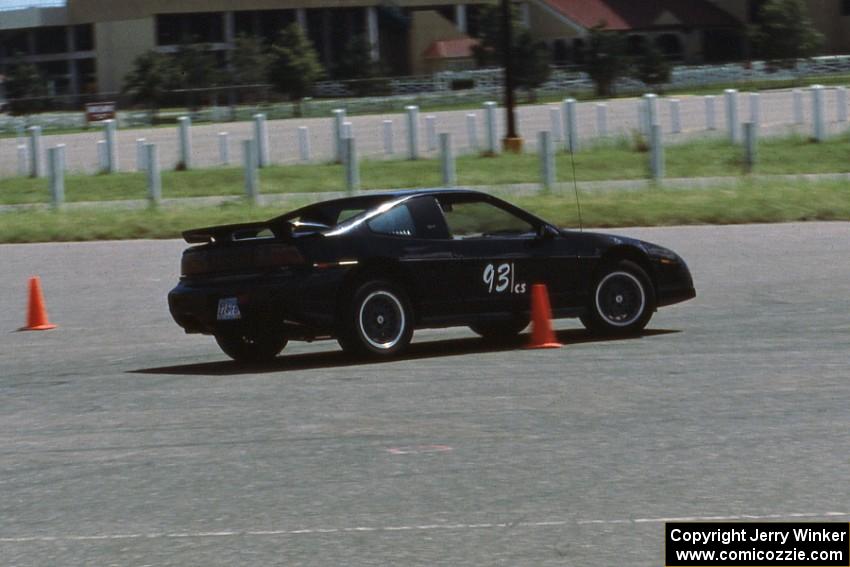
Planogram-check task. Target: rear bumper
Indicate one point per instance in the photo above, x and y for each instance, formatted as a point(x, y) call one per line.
point(305, 301)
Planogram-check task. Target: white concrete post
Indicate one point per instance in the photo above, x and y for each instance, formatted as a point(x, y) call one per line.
point(110, 136)
point(472, 131)
point(819, 127)
point(56, 173)
point(347, 130)
point(490, 133)
point(339, 118)
point(750, 145)
point(555, 123)
point(755, 110)
point(431, 132)
point(184, 158)
point(154, 176)
point(389, 141)
point(35, 152)
point(568, 111)
point(140, 154)
point(102, 157)
point(261, 140)
point(249, 162)
point(675, 117)
point(656, 164)
point(732, 114)
point(797, 96)
point(303, 144)
point(547, 159)
point(412, 132)
point(447, 160)
point(352, 167)
point(650, 101)
point(20, 133)
point(841, 103)
point(710, 113)
point(224, 148)
point(22, 160)
point(602, 119)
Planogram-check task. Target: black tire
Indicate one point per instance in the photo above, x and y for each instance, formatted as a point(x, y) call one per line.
point(378, 320)
point(622, 300)
point(244, 347)
point(499, 331)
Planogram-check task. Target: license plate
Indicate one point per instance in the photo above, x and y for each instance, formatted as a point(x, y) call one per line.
point(228, 309)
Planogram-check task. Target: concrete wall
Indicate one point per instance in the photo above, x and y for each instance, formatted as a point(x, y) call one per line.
point(32, 18)
point(117, 45)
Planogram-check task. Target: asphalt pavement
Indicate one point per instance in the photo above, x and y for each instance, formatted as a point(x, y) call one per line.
point(125, 442)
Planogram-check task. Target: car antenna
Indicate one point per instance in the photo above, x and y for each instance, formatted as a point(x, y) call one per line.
point(575, 186)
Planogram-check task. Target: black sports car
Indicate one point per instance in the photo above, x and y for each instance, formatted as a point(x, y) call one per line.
point(368, 270)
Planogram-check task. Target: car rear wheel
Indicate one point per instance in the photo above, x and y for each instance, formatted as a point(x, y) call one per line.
point(499, 331)
point(251, 347)
point(378, 320)
point(622, 300)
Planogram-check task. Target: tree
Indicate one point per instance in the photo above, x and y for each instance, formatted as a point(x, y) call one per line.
point(531, 59)
point(785, 33)
point(605, 58)
point(531, 63)
point(249, 61)
point(197, 69)
point(357, 66)
point(24, 86)
point(294, 64)
point(153, 75)
point(488, 52)
point(652, 67)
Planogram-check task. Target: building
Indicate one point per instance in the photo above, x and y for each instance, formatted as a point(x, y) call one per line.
point(690, 31)
point(88, 46)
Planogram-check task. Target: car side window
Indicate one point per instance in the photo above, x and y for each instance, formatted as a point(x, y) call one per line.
point(480, 219)
point(395, 222)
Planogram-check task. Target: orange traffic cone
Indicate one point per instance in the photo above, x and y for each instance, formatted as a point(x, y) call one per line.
point(37, 313)
point(542, 335)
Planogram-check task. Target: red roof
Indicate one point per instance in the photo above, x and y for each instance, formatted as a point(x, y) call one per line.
point(451, 48)
point(643, 14)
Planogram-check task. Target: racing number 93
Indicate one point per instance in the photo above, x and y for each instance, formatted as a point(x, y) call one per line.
point(500, 279)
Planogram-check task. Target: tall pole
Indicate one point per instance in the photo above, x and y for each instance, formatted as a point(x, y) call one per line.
point(512, 140)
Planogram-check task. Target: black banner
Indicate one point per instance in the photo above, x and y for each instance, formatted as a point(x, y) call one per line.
point(757, 544)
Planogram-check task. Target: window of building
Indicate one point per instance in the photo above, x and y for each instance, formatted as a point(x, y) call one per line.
point(174, 29)
point(84, 37)
point(13, 43)
point(845, 7)
point(51, 39)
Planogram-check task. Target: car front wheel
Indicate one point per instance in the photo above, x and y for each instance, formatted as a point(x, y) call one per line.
point(622, 300)
point(251, 347)
point(378, 321)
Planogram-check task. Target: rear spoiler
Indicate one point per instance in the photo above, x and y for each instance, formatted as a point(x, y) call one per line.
point(231, 232)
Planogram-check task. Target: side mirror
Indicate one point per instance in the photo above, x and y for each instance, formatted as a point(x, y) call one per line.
point(547, 232)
